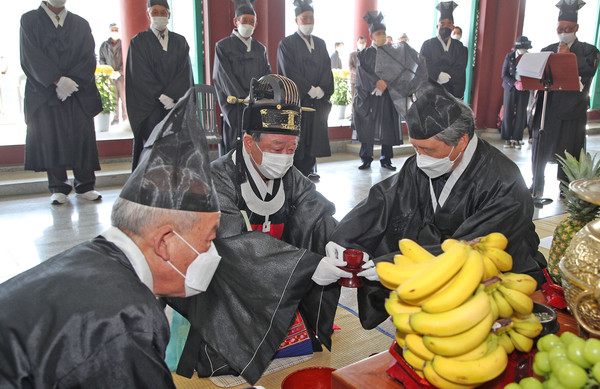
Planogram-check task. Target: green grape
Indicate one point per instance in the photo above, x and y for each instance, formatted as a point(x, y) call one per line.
point(575, 353)
point(566, 337)
point(547, 342)
point(557, 362)
point(591, 350)
point(571, 376)
point(596, 371)
point(542, 361)
point(538, 371)
point(513, 385)
point(552, 383)
point(530, 383)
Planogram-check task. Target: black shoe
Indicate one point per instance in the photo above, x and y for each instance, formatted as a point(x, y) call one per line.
point(114, 122)
point(365, 165)
point(508, 144)
point(388, 165)
point(314, 177)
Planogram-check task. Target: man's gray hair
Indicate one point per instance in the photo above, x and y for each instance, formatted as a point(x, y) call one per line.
point(138, 218)
point(465, 124)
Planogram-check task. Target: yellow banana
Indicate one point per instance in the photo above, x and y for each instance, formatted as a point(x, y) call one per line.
point(477, 352)
point(521, 342)
point(495, 239)
point(504, 308)
point(401, 338)
point(506, 342)
point(459, 289)
point(524, 283)
point(412, 359)
point(434, 379)
point(392, 275)
point(414, 343)
point(473, 372)
point(490, 270)
point(501, 258)
point(414, 251)
point(402, 260)
point(529, 326)
point(454, 321)
point(431, 279)
point(446, 244)
point(520, 302)
point(464, 342)
point(401, 322)
point(394, 305)
point(494, 307)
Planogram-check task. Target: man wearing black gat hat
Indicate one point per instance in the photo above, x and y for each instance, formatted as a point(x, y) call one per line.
point(456, 186)
point(238, 59)
point(566, 111)
point(89, 317)
point(158, 73)
point(446, 57)
point(272, 238)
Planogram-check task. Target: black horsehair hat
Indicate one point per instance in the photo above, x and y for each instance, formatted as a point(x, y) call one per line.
point(446, 8)
point(303, 6)
point(244, 7)
point(522, 43)
point(164, 3)
point(568, 9)
point(375, 21)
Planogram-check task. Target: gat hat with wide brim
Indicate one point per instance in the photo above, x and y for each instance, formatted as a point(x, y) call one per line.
point(522, 43)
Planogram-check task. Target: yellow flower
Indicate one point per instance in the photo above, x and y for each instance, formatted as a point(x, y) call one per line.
point(104, 69)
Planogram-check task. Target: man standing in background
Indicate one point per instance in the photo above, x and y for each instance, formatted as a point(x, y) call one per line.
point(336, 61)
point(111, 54)
point(361, 44)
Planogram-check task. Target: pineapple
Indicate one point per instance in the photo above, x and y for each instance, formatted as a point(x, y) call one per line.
point(580, 211)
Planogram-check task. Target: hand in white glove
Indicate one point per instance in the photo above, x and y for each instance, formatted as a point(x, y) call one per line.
point(443, 78)
point(65, 87)
point(580, 84)
point(328, 272)
point(168, 102)
point(312, 92)
point(334, 250)
point(370, 273)
point(115, 75)
point(377, 92)
point(320, 92)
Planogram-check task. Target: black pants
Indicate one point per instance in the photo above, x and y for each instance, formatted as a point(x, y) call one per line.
point(515, 114)
point(58, 182)
point(366, 153)
point(144, 132)
point(306, 165)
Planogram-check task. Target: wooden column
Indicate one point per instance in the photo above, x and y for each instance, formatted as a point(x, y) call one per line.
point(134, 19)
point(360, 26)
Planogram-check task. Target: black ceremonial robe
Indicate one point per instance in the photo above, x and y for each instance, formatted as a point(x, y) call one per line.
point(566, 114)
point(375, 117)
point(82, 319)
point(240, 321)
point(59, 133)
point(453, 62)
point(490, 196)
point(307, 69)
point(151, 72)
point(233, 70)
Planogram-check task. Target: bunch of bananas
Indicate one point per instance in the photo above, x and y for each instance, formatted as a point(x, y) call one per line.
point(445, 312)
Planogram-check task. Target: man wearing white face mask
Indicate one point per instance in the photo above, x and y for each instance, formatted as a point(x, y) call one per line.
point(276, 224)
point(89, 317)
point(238, 59)
point(566, 111)
point(456, 186)
point(304, 59)
point(111, 54)
point(158, 73)
point(361, 44)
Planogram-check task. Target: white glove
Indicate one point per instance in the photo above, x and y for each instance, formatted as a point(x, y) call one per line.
point(377, 92)
point(443, 78)
point(65, 87)
point(334, 250)
point(370, 273)
point(580, 84)
point(328, 272)
point(168, 102)
point(320, 92)
point(312, 92)
point(115, 75)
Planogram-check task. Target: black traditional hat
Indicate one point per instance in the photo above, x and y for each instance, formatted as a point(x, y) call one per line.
point(244, 7)
point(434, 110)
point(446, 8)
point(375, 21)
point(568, 9)
point(174, 170)
point(522, 43)
point(274, 106)
point(303, 6)
point(164, 3)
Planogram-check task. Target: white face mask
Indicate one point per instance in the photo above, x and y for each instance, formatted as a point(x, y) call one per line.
point(246, 30)
point(379, 40)
point(566, 38)
point(201, 270)
point(57, 3)
point(457, 37)
point(274, 165)
point(361, 46)
point(115, 36)
point(306, 29)
point(159, 22)
point(435, 167)
point(521, 51)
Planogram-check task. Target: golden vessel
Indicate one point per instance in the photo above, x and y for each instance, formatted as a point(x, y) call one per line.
point(580, 268)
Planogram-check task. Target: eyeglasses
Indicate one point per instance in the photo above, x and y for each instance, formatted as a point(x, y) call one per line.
point(568, 30)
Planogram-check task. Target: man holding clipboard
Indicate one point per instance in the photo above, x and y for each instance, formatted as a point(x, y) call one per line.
point(566, 104)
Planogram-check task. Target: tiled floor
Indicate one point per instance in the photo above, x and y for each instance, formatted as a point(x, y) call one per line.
point(32, 230)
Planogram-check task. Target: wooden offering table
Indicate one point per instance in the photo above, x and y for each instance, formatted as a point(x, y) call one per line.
point(371, 372)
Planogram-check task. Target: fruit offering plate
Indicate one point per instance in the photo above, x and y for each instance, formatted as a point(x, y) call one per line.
point(520, 365)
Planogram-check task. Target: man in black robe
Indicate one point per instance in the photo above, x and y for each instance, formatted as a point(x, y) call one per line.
point(61, 99)
point(238, 59)
point(446, 57)
point(275, 225)
point(111, 54)
point(566, 111)
point(457, 186)
point(304, 59)
point(375, 117)
point(158, 73)
point(89, 317)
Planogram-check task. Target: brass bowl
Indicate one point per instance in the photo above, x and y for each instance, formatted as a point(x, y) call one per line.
point(582, 298)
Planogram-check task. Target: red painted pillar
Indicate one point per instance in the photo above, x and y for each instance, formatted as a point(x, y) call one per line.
point(134, 19)
point(271, 26)
point(500, 22)
point(360, 26)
